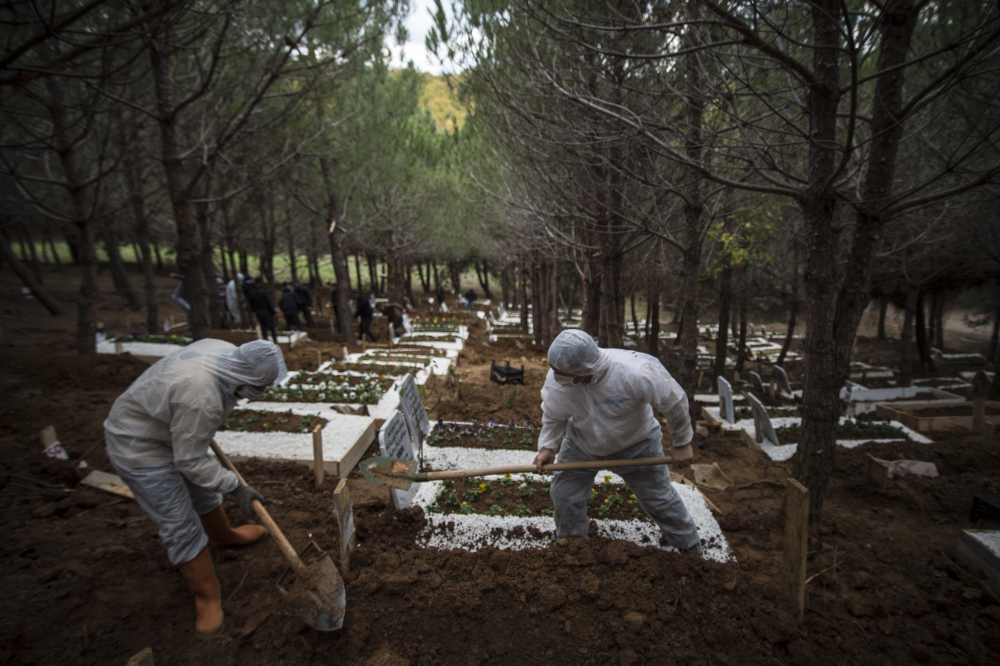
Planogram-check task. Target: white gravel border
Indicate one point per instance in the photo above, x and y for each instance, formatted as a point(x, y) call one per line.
point(339, 434)
point(785, 452)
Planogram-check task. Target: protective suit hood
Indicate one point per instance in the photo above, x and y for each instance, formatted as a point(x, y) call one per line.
point(577, 353)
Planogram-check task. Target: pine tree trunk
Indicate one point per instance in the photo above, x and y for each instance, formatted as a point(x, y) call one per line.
point(722, 339)
point(524, 297)
point(206, 256)
point(137, 201)
point(654, 326)
point(882, 309)
point(741, 344)
point(923, 348)
point(906, 339)
point(337, 253)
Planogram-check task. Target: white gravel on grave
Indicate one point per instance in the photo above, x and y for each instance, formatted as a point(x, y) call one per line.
point(139, 348)
point(383, 410)
point(476, 531)
point(339, 434)
point(990, 539)
point(785, 452)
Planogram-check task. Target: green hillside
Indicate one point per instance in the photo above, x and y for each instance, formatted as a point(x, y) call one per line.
point(442, 102)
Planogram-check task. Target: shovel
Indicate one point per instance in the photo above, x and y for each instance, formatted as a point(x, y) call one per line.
point(318, 591)
point(402, 474)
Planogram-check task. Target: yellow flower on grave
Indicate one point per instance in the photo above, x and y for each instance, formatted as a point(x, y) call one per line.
point(629, 502)
point(593, 491)
point(506, 476)
point(607, 479)
point(633, 497)
point(482, 487)
point(605, 501)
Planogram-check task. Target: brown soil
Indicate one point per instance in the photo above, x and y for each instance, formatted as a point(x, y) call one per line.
point(86, 582)
point(958, 410)
point(252, 420)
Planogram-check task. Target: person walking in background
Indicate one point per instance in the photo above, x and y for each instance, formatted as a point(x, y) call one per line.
point(470, 298)
point(263, 308)
point(394, 313)
point(289, 305)
point(305, 303)
point(365, 314)
point(440, 297)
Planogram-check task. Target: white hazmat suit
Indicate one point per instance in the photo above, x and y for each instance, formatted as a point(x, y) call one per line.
point(159, 432)
point(611, 418)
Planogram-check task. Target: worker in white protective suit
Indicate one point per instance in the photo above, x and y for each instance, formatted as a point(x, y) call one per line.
point(597, 404)
point(158, 436)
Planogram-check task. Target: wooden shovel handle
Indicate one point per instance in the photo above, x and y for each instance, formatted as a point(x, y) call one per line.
point(272, 527)
point(552, 467)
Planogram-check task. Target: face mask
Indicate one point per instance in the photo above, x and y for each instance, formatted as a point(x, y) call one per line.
point(563, 380)
point(248, 392)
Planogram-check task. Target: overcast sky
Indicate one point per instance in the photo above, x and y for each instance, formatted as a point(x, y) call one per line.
point(418, 24)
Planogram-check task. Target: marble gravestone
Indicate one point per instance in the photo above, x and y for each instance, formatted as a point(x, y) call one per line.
point(726, 410)
point(763, 331)
point(414, 413)
point(394, 442)
point(763, 422)
point(757, 381)
point(786, 386)
point(753, 329)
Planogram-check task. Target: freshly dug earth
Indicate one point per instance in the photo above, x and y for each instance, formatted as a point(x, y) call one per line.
point(86, 581)
point(252, 420)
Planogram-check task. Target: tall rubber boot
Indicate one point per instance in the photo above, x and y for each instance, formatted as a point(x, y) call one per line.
point(200, 576)
point(221, 533)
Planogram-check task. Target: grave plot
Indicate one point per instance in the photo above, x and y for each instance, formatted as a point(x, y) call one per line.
point(361, 395)
point(778, 437)
point(489, 435)
point(939, 415)
point(980, 551)
point(146, 347)
point(863, 371)
point(949, 384)
point(522, 519)
point(296, 434)
point(419, 371)
point(974, 359)
point(438, 364)
point(290, 338)
point(864, 401)
point(449, 344)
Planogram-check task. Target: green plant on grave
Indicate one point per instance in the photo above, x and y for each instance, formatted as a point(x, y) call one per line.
point(486, 487)
point(604, 510)
point(467, 509)
point(511, 397)
point(527, 492)
point(497, 494)
point(615, 500)
point(452, 499)
point(433, 508)
point(470, 495)
point(593, 496)
point(526, 440)
point(548, 513)
point(446, 483)
point(607, 486)
point(266, 426)
point(636, 514)
point(506, 481)
point(527, 479)
point(508, 441)
point(548, 489)
point(496, 510)
point(522, 511)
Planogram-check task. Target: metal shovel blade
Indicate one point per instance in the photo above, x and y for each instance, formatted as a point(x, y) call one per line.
point(319, 596)
point(390, 472)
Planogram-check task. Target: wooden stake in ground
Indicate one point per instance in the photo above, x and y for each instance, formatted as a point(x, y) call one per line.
point(144, 658)
point(319, 358)
point(978, 414)
point(345, 519)
point(793, 570)
point(50, 444)
point(317, 434)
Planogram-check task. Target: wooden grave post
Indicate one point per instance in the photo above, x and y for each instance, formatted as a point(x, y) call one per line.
point(319, 358)
point(50, 444)
point(260, 336)
point(793, 570)
point(978, 414)
point(144, 658)
point(344, 505)
point(317, 433)
point(118, 348)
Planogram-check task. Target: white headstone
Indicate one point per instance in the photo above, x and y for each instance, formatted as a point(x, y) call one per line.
point(394, 442)
point(767, 430)
point(413, 410)
point(763, 330)
point(753, 329)
point(726, 410)
point(785, 384)
point(757, 381)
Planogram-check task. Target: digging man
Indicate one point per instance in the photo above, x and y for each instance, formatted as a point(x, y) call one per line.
point(158, 436)
point(597, 404)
